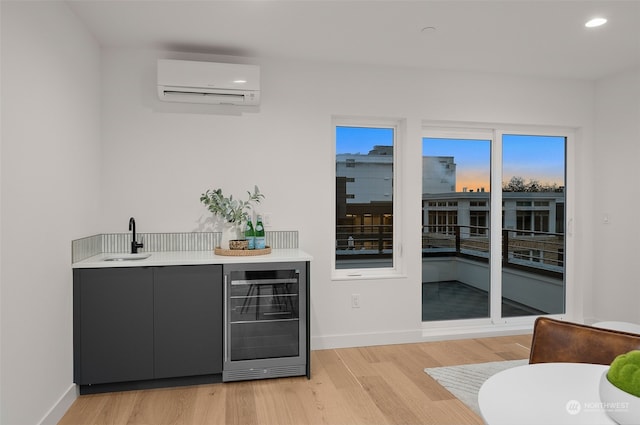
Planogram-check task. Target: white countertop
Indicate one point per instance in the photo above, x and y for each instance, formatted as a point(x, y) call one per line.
point(183, 258)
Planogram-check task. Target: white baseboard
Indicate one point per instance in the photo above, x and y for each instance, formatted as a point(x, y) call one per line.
point(57, 411)
point(419, 335)
point(441, 334)
point(366, 339)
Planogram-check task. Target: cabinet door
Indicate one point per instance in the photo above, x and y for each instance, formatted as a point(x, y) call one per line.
point(114, 325)
point(188, 320)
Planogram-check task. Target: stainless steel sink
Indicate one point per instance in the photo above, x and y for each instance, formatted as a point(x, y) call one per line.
point(127, 257)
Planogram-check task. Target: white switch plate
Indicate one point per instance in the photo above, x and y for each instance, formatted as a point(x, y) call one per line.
point(266, 219)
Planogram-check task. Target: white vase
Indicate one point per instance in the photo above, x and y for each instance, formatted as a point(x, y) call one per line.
point(622, 407)
point(230, 231)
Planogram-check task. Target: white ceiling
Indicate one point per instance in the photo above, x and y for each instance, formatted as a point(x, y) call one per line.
point(543, 38)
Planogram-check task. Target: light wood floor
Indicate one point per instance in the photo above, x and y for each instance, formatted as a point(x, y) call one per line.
point(368, 385)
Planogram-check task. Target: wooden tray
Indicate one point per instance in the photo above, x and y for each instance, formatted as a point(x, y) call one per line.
point(241, 252)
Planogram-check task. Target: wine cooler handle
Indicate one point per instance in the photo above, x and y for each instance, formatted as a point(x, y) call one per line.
point(225, 343)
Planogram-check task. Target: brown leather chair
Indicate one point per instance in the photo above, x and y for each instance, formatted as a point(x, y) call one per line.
point(566, 342)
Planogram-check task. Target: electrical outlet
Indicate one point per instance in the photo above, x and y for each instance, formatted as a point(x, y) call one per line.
point(355, 300)
point(266, 219)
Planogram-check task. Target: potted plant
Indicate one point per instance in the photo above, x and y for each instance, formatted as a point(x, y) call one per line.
point(234, 212)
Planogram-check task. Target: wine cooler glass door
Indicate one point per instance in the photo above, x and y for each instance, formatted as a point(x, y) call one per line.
point(263, 314)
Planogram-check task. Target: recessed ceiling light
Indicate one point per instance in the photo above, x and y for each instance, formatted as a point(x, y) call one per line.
point(239, 81)
point(595, 22)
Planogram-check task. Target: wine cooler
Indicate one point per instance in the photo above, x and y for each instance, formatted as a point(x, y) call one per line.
point(265, 330)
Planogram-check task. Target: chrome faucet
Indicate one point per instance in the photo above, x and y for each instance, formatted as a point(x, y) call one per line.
point(134, 244)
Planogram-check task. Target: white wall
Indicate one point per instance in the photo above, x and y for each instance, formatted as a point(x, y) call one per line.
point(159, 157)
point(617, 184)
point(49, 183)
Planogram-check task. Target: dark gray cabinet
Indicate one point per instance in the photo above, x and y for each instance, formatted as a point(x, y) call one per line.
point(188, 320)
point(147, 323)
point(113, 321)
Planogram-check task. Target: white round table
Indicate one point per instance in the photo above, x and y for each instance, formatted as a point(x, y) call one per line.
point(544, 393)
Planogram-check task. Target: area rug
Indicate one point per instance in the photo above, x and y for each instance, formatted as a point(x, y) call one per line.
point(465, 381)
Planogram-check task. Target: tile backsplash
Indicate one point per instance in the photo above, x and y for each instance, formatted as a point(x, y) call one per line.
point(158, 242)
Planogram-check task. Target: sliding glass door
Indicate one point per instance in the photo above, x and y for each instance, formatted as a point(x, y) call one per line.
point(533, 230)
point(456, 210)
point(470, 268)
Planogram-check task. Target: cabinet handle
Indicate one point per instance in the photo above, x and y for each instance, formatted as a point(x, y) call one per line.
point(225, 321)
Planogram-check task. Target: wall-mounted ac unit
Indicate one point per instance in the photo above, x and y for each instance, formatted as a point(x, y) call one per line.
point(208, 82)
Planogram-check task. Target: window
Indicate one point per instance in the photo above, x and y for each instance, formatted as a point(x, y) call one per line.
point(442, 221)
point(523, 221)
point(478, 222)
point(365, 202)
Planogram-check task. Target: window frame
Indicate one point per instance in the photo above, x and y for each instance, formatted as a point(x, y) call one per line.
point(397, 268)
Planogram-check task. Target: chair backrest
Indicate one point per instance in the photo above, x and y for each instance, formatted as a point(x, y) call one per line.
point(566, 342)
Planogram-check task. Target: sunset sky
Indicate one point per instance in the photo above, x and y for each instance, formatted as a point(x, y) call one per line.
point(540, 158)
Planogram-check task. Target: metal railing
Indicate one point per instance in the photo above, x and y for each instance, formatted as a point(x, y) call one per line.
point(542, 251)
point(534, 251)
point(369, 239)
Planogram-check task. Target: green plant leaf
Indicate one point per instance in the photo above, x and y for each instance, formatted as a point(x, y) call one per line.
point(232, 210)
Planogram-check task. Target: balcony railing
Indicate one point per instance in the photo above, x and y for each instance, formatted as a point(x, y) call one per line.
point(541, 252)
point(373, 240)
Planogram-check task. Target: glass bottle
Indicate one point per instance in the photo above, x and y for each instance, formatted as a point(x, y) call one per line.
point(250, 234)
point(260, 242)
